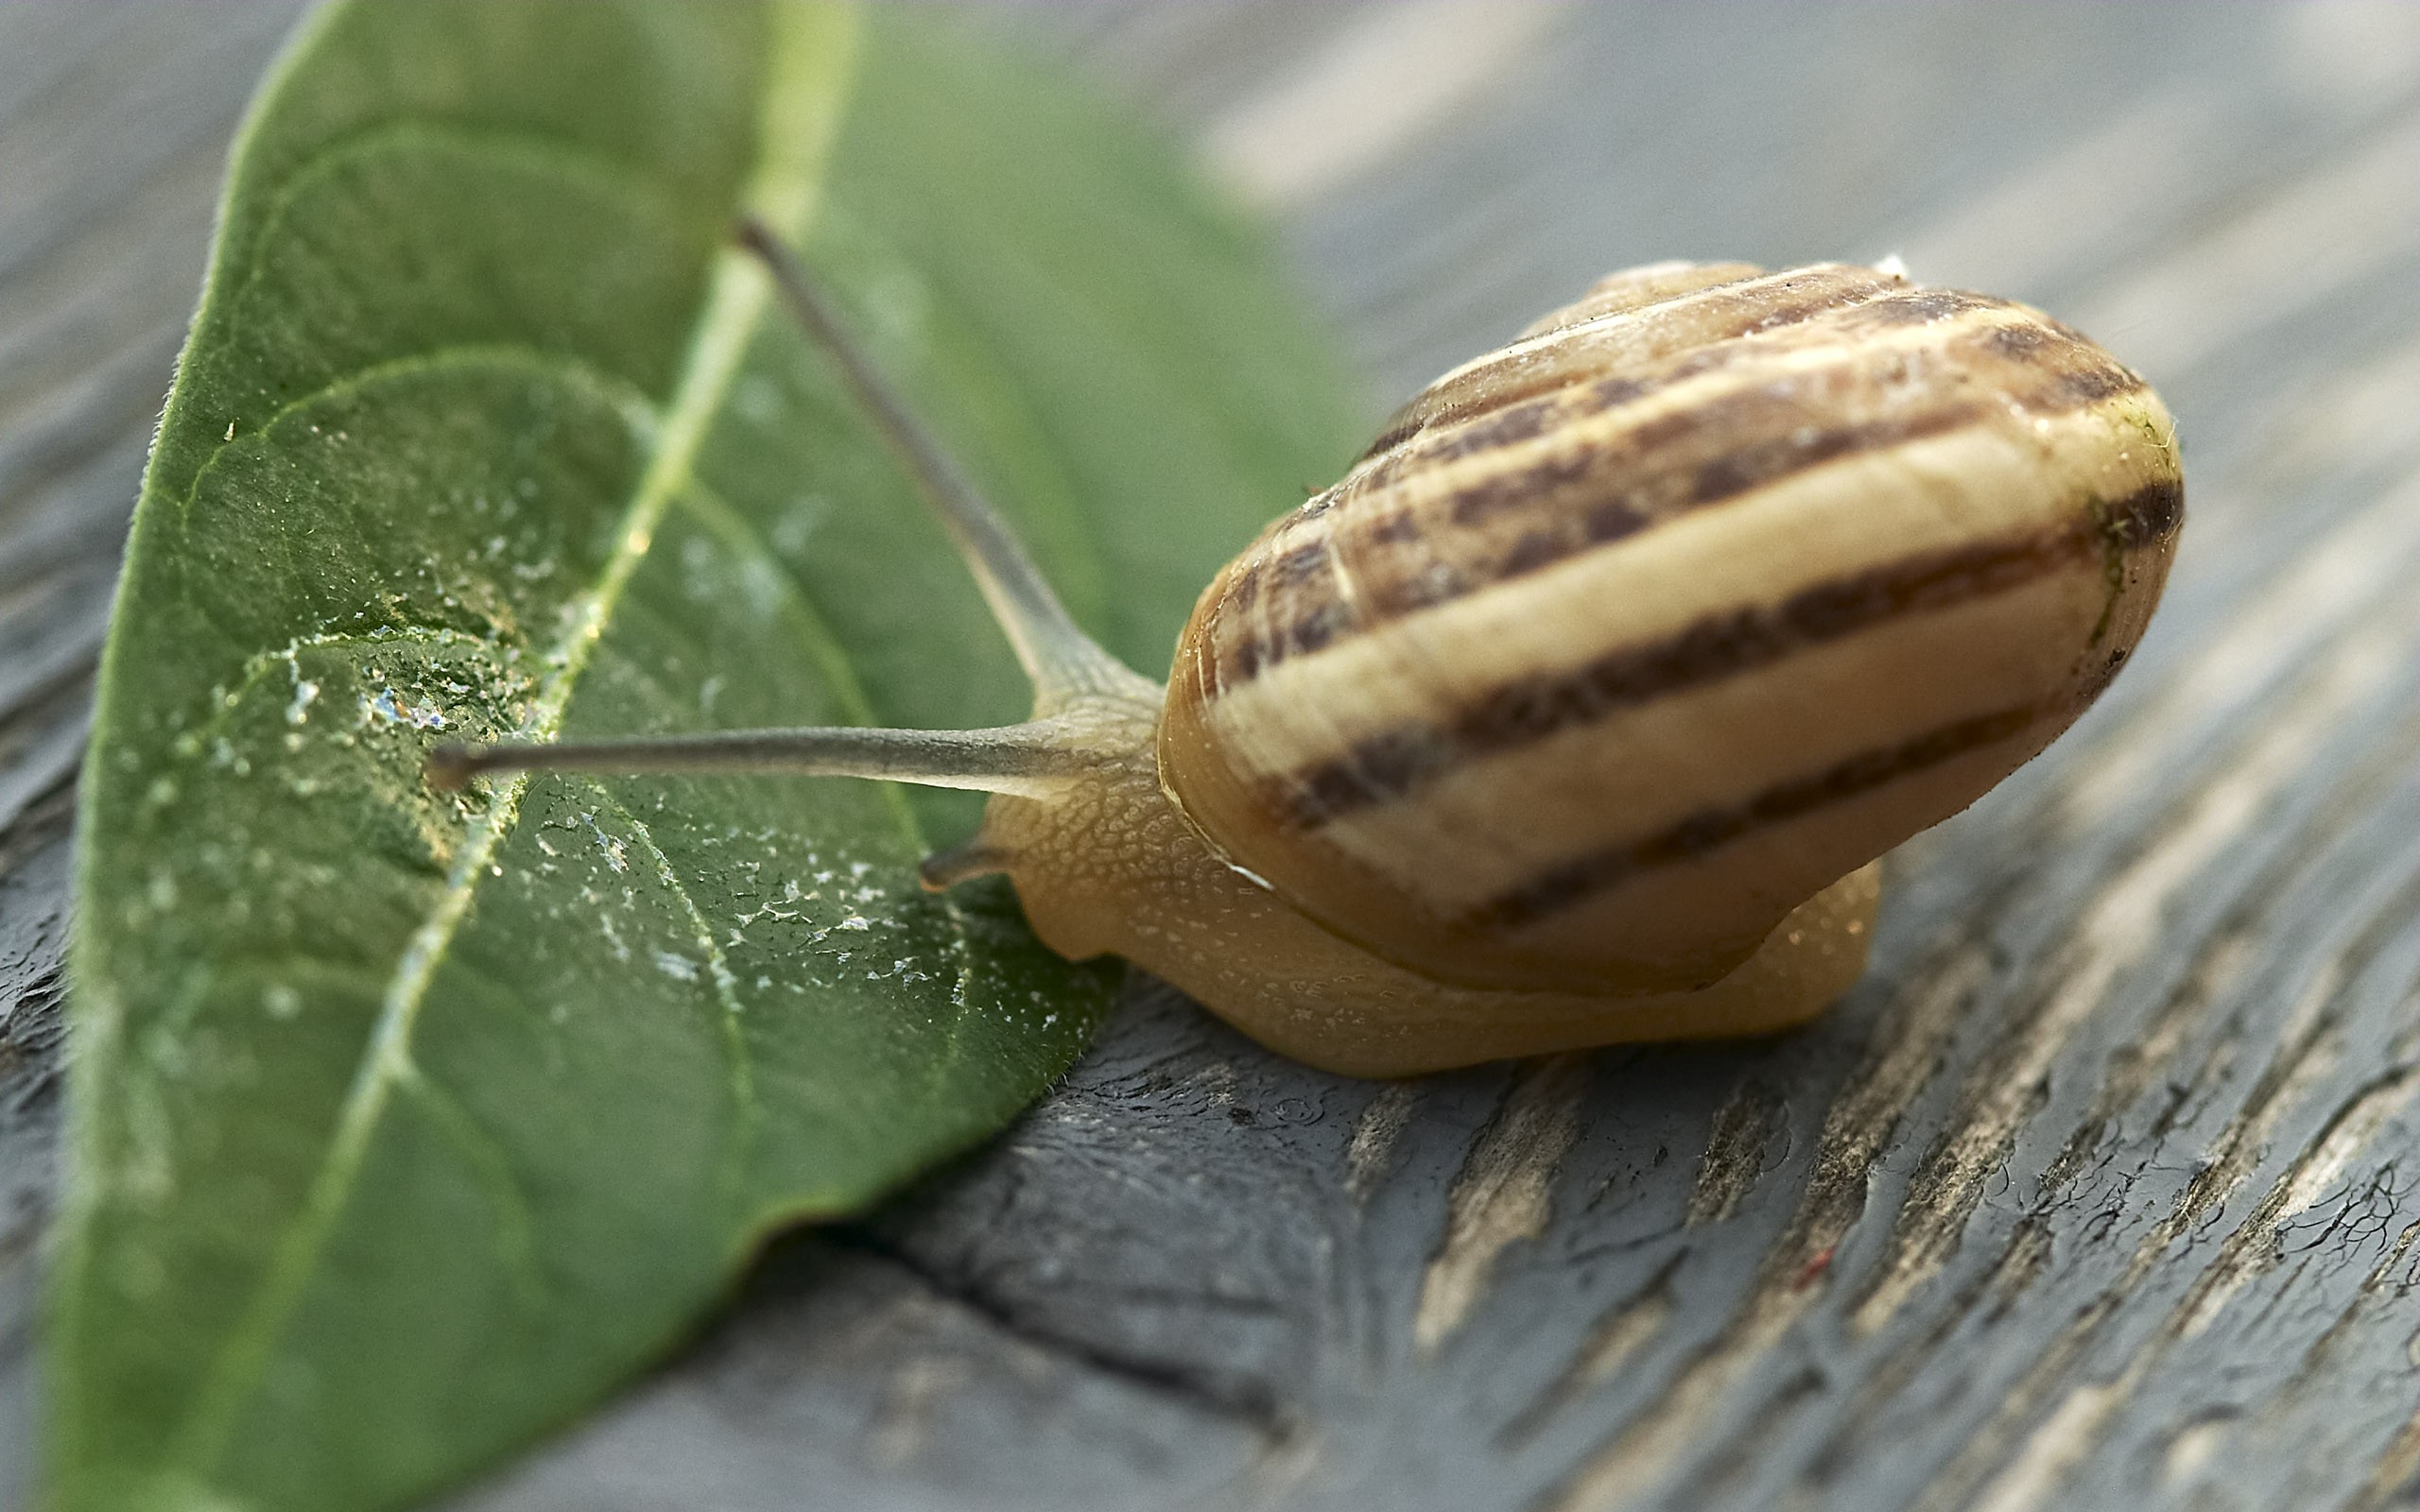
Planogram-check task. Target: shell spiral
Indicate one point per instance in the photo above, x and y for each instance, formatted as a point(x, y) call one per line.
point(1627, 639)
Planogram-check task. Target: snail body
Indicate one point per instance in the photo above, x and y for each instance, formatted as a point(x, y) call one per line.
point(1579, 710)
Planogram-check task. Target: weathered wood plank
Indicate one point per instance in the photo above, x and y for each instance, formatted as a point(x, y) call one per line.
point(2096, 1190)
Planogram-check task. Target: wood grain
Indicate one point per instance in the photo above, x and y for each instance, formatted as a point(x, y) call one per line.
point(2097, 1191)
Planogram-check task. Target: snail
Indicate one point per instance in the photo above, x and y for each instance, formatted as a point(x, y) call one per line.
point(1579, 710)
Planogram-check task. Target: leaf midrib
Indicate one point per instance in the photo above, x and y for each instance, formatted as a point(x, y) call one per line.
point(784, 187)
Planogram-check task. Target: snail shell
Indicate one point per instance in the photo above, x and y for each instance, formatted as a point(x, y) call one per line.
point(1627, 639)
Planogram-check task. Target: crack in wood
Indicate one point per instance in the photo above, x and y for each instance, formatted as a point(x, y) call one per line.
point(2355, 1312)
point(1250, 1404)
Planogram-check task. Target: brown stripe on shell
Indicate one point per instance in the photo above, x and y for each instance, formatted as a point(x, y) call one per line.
point(1725, 448)
point(1391, 764)
point(1279, 586)
point(1759, 331)
point(1679, 327)
point(1572, 883)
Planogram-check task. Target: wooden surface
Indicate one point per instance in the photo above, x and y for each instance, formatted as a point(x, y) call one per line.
point(2099, 1190)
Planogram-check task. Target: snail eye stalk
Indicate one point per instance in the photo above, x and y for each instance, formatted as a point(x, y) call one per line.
point(1060, 658)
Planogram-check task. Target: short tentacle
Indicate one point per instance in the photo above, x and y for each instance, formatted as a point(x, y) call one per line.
point(977, 857)
point(1063, 662)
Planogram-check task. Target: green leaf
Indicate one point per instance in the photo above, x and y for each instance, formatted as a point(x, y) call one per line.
point(403, 1124)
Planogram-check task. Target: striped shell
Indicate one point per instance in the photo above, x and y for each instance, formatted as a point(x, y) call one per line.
point(1625, 639)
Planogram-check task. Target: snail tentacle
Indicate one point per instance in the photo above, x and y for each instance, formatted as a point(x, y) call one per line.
point(1034, 760)
point(1063, 662)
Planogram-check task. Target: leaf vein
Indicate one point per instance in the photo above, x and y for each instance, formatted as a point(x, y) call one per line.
point(516, 1229)
point(748, 1115)
point(520, 145)
point(576, 373)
